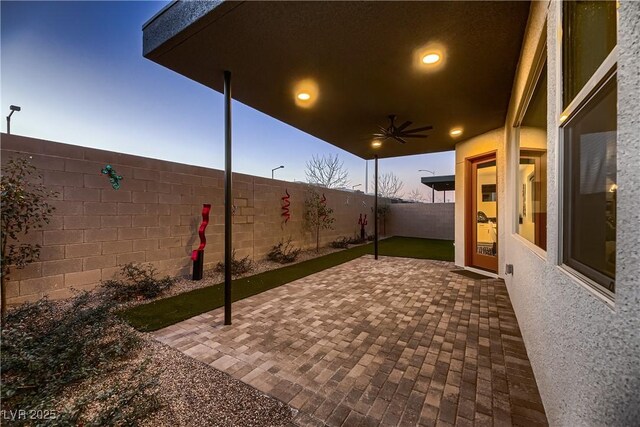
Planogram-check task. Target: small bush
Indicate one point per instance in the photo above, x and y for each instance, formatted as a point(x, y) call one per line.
point(356, 240)
point(283, 252)
point(138, 281)
point(53, 351)
point(342, 243)
point(371, 238)
point(238, 266)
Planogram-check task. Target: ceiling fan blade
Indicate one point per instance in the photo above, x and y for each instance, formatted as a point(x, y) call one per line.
point(400, 140)
point(383, 129)
point(404, 125)
point(380, 135)
point(419, 129)
point(404, 135)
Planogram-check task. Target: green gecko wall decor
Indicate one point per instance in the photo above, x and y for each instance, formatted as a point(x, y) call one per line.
point(114, 178)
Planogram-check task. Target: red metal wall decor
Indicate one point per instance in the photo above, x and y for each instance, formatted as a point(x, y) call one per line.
point(362, 222)
point(206, 208)
point(198, 255)
point(285, 206)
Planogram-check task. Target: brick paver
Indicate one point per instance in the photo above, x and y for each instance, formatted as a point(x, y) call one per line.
point(390, 342)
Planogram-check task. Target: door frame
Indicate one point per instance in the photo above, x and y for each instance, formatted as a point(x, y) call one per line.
point(470, 228)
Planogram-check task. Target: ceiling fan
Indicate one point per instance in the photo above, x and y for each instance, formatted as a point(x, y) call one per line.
point(400, 132)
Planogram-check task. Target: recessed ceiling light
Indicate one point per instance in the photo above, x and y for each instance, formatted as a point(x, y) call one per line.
point(431, 58)
point(304, 96)
point(376, 143)
point(455, 132)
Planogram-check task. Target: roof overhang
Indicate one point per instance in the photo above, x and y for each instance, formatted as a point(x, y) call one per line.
point(362, 57)
point(440, 183)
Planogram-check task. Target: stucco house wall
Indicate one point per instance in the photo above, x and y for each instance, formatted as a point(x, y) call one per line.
point(584, 350)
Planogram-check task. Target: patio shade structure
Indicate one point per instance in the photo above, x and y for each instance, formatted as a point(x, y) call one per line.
point(440, 183)
point(337, 70)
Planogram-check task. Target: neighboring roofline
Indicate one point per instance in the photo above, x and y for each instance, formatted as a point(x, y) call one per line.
point(433, 181)
point(436, 179)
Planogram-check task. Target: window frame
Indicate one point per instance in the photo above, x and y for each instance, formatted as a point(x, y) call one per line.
point(603, 74)
point(539, 61)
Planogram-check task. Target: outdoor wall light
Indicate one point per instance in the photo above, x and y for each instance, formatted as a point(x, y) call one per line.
point(376, 143)
point(431, 58)
point(455, 132)
point(13, 109)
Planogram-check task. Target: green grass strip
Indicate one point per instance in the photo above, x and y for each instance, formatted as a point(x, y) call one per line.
point(168, 311)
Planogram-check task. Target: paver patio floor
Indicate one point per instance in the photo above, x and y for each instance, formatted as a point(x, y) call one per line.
point(396, 341)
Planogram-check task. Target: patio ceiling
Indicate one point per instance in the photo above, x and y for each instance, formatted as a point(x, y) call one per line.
point(359, 61)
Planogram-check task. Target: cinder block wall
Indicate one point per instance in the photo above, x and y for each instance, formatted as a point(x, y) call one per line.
point(153, 217)
point(426, 220)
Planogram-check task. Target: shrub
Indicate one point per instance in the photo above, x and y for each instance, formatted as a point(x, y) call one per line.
point(341, 243)
point(238, 266)
point(356, 240)
point(138, 281)
point(283, 252)
point(52, 350)
point(24, 207)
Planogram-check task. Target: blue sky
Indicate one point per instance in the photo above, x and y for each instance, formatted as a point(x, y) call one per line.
point(77, 71)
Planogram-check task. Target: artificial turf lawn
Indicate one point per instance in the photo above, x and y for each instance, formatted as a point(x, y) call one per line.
point(167, 311)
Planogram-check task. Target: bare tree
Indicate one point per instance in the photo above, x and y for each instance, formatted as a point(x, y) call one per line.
point(416, 196)
point(327, 171)
point(389, 186)
point(318, 216)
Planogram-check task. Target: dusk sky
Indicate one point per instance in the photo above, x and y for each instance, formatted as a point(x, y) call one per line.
point(77, 71)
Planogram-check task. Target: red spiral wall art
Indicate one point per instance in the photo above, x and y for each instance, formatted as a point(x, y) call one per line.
point(285, 206)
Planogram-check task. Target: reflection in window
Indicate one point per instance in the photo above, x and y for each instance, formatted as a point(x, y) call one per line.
point(589, 36)
point(487, 209)
point(532, 169)
point(590, 188)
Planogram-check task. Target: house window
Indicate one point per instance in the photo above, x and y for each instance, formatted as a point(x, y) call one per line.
point(589, 130)
point(531, 188)
point(589, 29)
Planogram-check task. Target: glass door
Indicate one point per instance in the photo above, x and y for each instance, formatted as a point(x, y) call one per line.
point(482, 236)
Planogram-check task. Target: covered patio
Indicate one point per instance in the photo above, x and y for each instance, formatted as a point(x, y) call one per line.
point(396, 341)
point(374, 341)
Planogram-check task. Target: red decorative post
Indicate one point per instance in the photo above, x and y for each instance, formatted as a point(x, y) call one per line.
point(363, 222)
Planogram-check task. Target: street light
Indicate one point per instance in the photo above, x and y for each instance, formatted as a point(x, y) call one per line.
point(13, 109)
point(433, 192)
point(275, 169)
point(353, 187)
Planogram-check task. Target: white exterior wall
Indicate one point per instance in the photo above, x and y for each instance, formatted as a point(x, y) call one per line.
point(585, 352)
